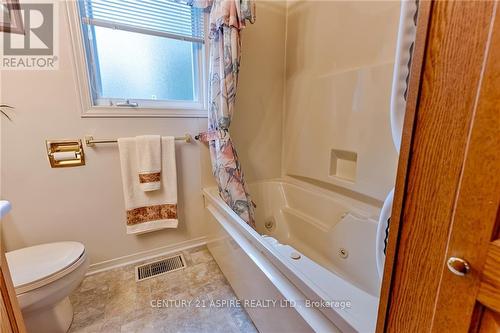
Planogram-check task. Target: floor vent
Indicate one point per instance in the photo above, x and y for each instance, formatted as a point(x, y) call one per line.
point(159, 267)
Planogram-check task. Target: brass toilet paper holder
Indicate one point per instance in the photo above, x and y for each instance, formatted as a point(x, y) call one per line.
point(65, 153)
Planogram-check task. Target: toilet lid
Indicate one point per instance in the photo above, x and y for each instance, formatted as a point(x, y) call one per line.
point(35, 263)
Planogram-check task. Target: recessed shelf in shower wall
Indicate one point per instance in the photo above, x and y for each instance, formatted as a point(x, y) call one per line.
point(343, 164)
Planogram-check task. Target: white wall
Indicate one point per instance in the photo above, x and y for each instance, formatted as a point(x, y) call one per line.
point(86, 203)
point(257, 124)
point(339, 60)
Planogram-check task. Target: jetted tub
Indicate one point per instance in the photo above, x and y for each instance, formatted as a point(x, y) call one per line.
point(313, 253)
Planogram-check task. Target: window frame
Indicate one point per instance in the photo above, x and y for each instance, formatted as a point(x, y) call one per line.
point(147, 108)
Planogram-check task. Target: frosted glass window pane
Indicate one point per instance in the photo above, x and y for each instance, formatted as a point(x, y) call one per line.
point(137, 66)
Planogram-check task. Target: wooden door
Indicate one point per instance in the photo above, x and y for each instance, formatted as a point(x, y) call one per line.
point(11, 320)
point(487, 318)
point(448, 185)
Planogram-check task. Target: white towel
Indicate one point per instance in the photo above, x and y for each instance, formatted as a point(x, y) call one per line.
point(148, 149)
point(149, 211)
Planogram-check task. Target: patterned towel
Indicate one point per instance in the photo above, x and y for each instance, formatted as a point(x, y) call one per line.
point(152, 210)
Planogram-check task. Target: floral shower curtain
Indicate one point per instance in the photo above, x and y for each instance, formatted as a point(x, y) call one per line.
point(227, 18)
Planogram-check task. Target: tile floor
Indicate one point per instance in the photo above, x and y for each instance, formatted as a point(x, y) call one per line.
point(113, 301)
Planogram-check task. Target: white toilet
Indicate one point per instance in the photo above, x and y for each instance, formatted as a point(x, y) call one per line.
point(44, 276)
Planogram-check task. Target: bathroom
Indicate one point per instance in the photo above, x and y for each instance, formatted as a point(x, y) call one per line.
point(277, 185)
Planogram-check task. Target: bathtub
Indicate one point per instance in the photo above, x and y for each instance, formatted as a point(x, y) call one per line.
point(313, 253)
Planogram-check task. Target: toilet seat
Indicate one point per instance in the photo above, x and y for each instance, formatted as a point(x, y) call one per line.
point(36, 266)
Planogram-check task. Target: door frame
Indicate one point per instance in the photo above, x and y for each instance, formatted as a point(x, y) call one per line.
point(11, 319)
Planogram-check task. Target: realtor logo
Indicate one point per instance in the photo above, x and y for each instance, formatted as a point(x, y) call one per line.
point(36, 47)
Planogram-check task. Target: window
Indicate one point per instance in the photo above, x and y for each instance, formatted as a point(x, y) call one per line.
point(143, 54)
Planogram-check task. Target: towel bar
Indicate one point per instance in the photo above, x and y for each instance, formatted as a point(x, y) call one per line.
point(91, 142)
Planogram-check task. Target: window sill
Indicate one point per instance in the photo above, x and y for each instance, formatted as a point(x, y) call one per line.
point(114, 112)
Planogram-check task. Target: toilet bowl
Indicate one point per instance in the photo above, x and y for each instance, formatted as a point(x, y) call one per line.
point(43, 277)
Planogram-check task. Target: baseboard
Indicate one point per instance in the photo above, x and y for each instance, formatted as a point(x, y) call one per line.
point(145, 255)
